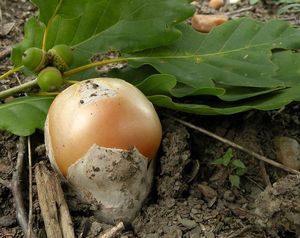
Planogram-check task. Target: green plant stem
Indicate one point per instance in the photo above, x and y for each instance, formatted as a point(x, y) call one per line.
point(18, 89)
point(44, 94)
point(92, 65)
point(11, 71)
point(23, 87)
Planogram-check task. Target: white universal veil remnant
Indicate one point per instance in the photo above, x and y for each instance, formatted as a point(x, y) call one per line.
point(102, 135)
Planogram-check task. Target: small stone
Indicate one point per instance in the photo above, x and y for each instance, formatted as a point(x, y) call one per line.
point(229, 196)
point(209, 235)
point(170, 202)
point(208, 192)
point(172, 232)
point(218, 227)
point(95, 229)
point(195, 233)
point(228, 220)
point(288, 151)
point(5, 168)
point(40, 150)
point(211, 202)
point(194, 211)
point(190, 224)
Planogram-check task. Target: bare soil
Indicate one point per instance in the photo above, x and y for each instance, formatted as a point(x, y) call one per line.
point(191, 197)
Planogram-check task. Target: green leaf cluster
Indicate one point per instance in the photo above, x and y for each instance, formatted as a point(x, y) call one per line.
point(241, 65)
point(237, 67)
point(90, 27)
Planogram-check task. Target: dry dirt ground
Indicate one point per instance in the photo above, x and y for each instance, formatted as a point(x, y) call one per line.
point(191, 197)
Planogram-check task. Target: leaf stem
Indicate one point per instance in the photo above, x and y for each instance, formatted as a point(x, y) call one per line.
point(44, 94)
point(92, 65)
point(30, 84)
point(18, 89)
point(71, 81)
point(11, 71)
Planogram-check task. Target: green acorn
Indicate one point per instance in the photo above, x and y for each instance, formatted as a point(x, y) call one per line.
point(49, 79)
point(34, 59)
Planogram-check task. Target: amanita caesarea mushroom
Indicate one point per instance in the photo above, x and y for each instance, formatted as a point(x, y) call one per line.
point(102, 135)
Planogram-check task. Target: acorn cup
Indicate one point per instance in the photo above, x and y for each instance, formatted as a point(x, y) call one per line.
point(61, 57)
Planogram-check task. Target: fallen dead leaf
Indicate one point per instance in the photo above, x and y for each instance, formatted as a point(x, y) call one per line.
point(7, 28)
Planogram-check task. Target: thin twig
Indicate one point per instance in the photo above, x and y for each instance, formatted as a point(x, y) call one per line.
point(18, 89)
point(254, 182)
point(1, 23)
point(30, 187)
point(16, 188)
point(11, 71)
point(112, 232)
point(18, 79)
point(234, 145)
point(239, 11)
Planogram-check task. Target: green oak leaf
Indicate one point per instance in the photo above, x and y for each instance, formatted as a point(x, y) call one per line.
point(167, 84)
point(67, 9)
point(133, 75)
point(33, 32)
point(288, 64)
point(241, 93)
point(157, 84)
point(237, 53)
point(97, 26)
point(127, 26)
point(266, 102)
point(24, 115)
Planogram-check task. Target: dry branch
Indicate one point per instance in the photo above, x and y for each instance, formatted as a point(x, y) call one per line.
point(30, 187)
point(16, 187)
point(17, 190)
point(54, 208)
